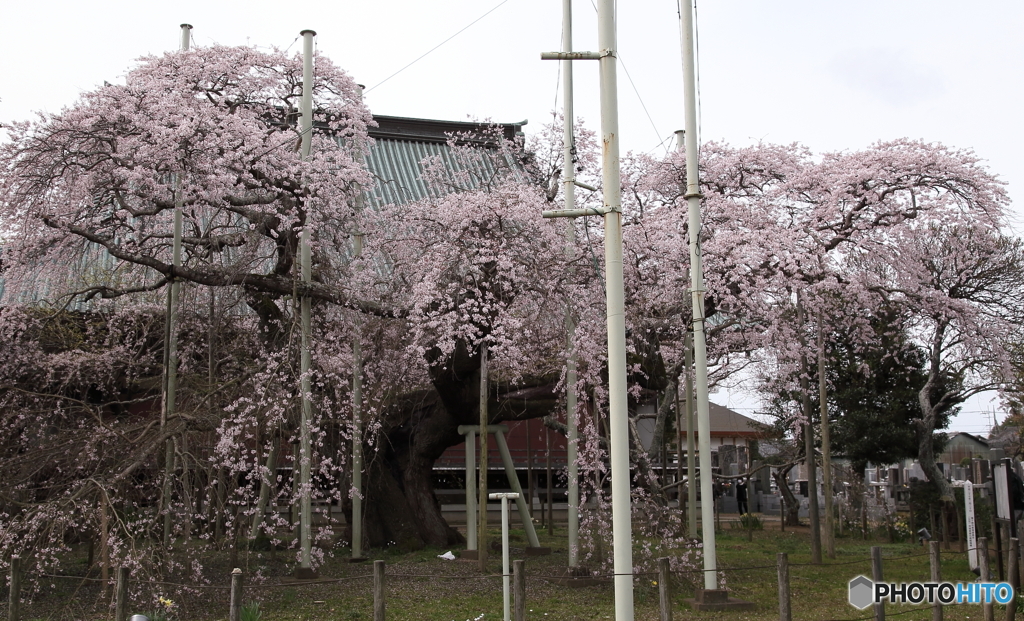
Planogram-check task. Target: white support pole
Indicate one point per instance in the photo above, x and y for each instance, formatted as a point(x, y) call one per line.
point(700, 355)
point(357, 395)
point(513, 482)
point(173, 293)
point(186, 36)
point(357, 437)
point(305, 264)
point(471, 490)
point(569, 181)
point(505, 570)
point(622, 533)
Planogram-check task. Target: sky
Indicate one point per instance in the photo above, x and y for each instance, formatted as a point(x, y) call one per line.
point(832, 76)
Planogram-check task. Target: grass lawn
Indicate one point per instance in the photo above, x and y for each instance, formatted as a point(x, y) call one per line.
point(423, 587)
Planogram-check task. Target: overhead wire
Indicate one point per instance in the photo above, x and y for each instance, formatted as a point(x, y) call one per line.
point(625, 69)
point(425, 54)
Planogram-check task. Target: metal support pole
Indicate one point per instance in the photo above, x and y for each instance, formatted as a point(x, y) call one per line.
point(513, 482)
point(357, 392)
point(691, 443)
point(569, 186)
point(357, 445)
point(622, 532)
point(618, 427)
point(171, 336)
point(549, 496)
point(481, 545)
point(826, 445)
point(305, 264)
point(471, 490)
point(505, 575)
point(697, 291)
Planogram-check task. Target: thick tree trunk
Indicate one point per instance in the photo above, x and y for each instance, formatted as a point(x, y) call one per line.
point(931, 400)
point(401, 508)
point(792, 516)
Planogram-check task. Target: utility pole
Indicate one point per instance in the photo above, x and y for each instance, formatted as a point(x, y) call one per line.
point(691, 440)
point(826, 444)
point(569, 181)
point(697, 291)
point(622, 536)
point(357, 399)
point(691, 449)
point(357, 429)
point(304, 457)
point(812, 470)
point(481, 530)
point(171, 336)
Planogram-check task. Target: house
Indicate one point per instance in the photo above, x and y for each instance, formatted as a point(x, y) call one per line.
point(964, 446)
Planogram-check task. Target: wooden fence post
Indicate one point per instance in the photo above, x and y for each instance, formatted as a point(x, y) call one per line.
point(782, 513)
point(934, 560)
point(378, 591)
point(1013, 576)
point(121, 595)
point(14, 598)
point(664, 594)
point(987, 610)
point(519, 590)
point(876, 575)
point(235, 609)
point(785, 610)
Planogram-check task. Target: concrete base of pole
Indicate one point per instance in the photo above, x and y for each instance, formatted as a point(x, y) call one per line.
point(706, 600)
point(305, 573)
point(579, 577)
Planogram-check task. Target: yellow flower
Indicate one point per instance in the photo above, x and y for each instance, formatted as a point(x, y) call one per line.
point(654, 583)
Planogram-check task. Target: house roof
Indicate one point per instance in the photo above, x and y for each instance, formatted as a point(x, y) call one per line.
point(727, 423)
point(401, 144)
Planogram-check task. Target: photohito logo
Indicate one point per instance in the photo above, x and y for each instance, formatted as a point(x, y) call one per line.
point(864, 592)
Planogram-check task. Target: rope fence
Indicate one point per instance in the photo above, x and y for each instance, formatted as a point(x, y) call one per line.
point(664, 579)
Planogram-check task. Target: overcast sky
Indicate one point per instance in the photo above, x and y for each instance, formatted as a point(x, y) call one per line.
point(831, 75)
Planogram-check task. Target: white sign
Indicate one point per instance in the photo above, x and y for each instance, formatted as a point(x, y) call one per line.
point(972, 529)
point(1002, 480)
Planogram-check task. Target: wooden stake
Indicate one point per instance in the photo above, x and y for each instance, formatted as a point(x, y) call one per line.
point(664, 594)
point(987, 610)
point(235, 609)
point(14, 597)
point(782, 563)
point(876, 575)
point(936, 567)
point(518, 590)
point(1013, 576)
point(378, 591)
point(121, 596)
point(550, 490)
